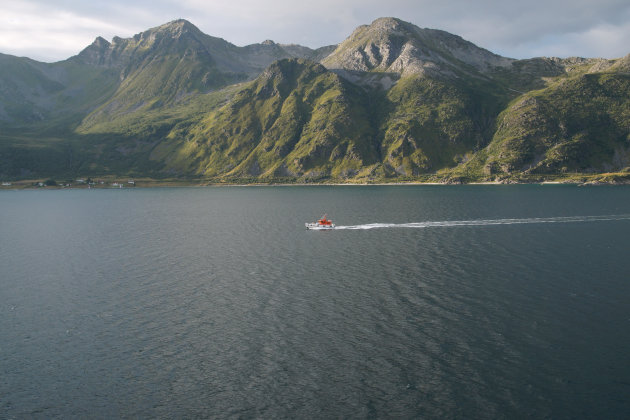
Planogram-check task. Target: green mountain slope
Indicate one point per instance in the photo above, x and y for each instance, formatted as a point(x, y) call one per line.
point(296, 119)
point(300, 120)
point(430, 124)
point(578, 124)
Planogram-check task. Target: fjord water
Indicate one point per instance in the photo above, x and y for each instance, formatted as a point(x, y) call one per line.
point(216, 302)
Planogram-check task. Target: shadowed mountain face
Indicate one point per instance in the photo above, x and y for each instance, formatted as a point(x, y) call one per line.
point(392, 101)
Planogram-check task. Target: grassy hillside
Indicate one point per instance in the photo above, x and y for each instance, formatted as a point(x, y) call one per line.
point(578, 124)
point(431, 124)
point(296, 119)
point(301, 121)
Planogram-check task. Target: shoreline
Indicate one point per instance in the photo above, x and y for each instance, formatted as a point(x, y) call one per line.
point(150, 183)
point(130, 182)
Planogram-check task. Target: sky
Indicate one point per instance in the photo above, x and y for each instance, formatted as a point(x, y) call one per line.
point(53, 30)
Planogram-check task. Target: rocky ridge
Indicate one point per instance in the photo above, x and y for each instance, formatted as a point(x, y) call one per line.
point(394, 46)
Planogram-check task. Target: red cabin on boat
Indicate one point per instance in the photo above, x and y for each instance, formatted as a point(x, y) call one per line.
point(322, 223)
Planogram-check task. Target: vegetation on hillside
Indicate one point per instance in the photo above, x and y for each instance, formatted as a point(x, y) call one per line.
point(576, 125)
point(296, 119)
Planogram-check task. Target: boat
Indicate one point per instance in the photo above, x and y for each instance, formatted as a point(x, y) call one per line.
point(322, 223)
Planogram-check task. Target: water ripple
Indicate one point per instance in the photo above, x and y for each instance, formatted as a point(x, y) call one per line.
point(217, 303)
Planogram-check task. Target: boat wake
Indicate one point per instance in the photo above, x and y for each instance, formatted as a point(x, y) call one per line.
point(487, 222)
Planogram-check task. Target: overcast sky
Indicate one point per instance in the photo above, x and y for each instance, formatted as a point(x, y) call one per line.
point(52, 30)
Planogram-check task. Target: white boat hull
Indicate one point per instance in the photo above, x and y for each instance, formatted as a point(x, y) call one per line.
point(317, 226)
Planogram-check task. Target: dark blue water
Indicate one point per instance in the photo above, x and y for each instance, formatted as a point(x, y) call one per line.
point(432, 302)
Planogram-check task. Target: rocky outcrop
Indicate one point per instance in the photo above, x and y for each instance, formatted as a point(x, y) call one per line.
point(392, 45)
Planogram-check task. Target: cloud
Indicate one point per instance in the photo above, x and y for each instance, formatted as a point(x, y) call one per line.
point(47, 33)
point(605, 41)
point(38, 29)
point(548, 28)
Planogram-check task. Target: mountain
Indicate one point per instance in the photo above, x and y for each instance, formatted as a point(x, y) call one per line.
point(391, 102)
point(157, 67)
point(112, 94)
point(167, 64)
point(391, 45)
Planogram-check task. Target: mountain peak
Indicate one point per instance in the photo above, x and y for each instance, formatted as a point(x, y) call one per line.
point(95, 52)
point(121, 51)
point(389, 23)
point(384, 27)
point(181, 25)
point(174, 29)
point(395, 46)
point(100, 42)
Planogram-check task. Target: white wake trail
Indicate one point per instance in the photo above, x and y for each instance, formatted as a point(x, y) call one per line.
point(487, 222)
